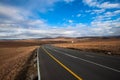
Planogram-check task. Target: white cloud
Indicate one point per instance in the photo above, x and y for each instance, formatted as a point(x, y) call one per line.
point(109, 5)
point(11, 12)
point(104, 24)
point(90, 2)
point(117, 12)
point(15, 24)
point(44, 5)
point(15, 17)
point(36, 23)
point(106, 27)
point(41, 5)
point(105, 5)
point(110, 14)
point(21, 33)
point(98, 11)
point(107, 15)
point(70, 21)
point(39, 28)
point(96, 28)
point(78, 15)
point(95, 11)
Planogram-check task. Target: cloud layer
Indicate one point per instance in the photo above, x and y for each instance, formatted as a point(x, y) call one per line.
point(105, 5)
point(20, 23)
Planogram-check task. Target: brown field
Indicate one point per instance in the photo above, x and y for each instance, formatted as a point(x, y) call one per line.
point(107, 46)
point(13, 55)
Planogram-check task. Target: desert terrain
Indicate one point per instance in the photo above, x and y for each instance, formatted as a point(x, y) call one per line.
point(16, 56)
point(13, 57)
point(98, 45)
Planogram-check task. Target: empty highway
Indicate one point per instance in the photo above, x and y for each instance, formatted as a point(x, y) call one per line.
point(66, 64)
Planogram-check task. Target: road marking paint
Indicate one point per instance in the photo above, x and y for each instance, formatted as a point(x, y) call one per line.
point(38, 67)
point(66, 68)
point(71, 56)
point(89, 61)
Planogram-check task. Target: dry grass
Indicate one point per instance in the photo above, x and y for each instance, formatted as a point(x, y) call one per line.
point(12, 58)
point(111, 46)
point(14, 55)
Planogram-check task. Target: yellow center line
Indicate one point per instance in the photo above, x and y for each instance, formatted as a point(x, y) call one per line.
point(66, 68)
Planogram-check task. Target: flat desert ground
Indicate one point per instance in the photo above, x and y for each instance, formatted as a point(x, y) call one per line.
point(107, 46)
point(13, 55)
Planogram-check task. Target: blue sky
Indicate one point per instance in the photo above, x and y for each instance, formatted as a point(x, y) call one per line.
point(22, 19)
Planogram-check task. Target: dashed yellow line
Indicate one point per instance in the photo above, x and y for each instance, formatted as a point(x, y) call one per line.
point(66, 68)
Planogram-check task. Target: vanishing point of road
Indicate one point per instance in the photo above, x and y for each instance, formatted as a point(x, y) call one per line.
point(66, 64)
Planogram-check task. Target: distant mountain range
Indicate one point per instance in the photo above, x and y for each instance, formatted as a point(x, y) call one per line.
point(60, 37)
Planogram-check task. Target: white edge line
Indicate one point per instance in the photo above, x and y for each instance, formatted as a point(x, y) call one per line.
point(38, 67)
point(89, 61)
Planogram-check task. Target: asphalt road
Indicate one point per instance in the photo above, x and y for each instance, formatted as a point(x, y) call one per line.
point(66, 64)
